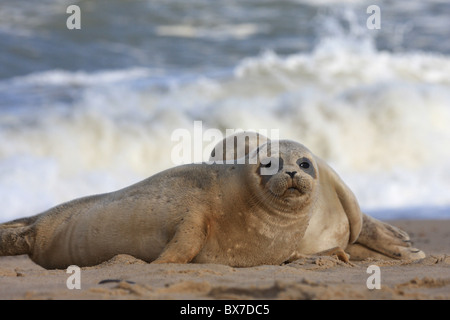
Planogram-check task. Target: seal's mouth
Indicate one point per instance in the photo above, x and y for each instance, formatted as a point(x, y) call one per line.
point(292, 192)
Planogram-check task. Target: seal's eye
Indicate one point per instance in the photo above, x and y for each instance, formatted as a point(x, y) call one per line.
point(304, 165)
point(307, 166)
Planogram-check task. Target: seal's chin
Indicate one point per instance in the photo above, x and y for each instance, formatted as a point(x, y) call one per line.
point(292, 192)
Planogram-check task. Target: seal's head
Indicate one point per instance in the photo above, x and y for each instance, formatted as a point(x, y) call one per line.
point(287, 172)
point(236, 146)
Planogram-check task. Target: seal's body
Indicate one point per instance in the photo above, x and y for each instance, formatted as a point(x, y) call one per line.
point(220, 213)
point(275, 207)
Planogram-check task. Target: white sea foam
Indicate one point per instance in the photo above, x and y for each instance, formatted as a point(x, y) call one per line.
point(235, 31)
point(81, 78)
point(380, 119)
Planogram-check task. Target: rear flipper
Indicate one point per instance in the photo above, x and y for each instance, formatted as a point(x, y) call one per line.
point(383, 241)
point(16, 240)
point(22, 222)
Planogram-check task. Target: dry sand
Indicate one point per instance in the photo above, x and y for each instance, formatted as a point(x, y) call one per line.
point(309, 278)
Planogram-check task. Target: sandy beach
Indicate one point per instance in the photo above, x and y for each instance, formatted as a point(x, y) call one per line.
point(314, 277)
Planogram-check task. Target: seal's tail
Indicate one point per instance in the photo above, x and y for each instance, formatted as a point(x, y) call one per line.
point(22, 222)
point(17, 236)
point(16, 240)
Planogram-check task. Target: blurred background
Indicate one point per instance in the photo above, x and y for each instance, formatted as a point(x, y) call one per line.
point(92, 110)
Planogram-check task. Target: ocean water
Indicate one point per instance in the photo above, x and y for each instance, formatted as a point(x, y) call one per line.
point(93, 110)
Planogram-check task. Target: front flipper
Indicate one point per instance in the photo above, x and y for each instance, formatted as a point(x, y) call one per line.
point(378, 239)
point(186, 243)
point(336, 251)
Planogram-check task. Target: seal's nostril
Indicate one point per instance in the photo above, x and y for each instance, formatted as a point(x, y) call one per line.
point(291, 173)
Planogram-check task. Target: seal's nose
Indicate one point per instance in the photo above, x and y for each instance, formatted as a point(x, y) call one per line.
point(291, 173)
